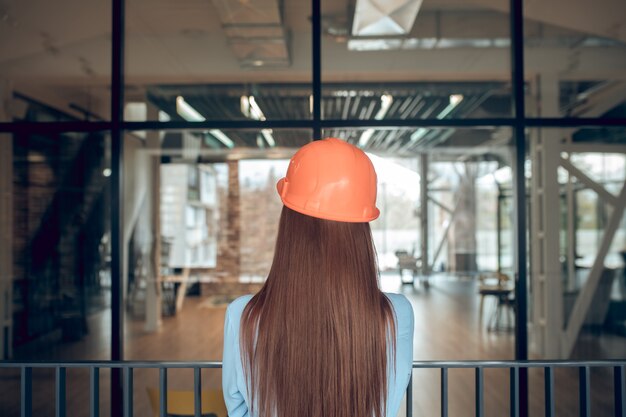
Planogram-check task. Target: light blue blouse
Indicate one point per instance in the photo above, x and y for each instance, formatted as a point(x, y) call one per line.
point(234, 385)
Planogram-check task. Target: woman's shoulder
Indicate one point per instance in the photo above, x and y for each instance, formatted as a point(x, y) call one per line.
point(241, 301)
point(401, 305)
point(399, 300)
point(235, 308)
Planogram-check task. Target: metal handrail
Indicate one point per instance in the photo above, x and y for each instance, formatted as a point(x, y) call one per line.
point(218, 364)
point(515, 368)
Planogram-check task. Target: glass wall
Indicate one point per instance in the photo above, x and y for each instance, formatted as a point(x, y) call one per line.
point(415, 60)
point(232, 64)
point(574, 61)
point(57, 56)
point(578, 227)
point(220, 60)
point(60, 242)
point(216, 98)
point(438, 240)
point(201, 221)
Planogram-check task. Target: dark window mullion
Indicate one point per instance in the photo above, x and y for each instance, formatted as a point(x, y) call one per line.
point(519, 196)
point(117, 202)
point(316, 21)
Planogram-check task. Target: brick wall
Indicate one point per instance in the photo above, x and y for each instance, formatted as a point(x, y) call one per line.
point(247, 227)
point(260, 213)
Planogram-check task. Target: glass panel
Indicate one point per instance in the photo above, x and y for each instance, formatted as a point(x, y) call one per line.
point(415, 60)
point(218, 60)
point(56, 234)
point(468, 223)
point(574, 61)
point(578, 237)
point(201, 224)
point(56, 56)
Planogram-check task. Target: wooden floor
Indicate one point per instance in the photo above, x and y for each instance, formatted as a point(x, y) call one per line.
point(447, 326)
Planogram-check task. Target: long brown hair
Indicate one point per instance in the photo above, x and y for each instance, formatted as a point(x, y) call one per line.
point(315, 339)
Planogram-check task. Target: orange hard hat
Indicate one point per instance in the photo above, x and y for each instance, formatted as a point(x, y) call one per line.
point(331, 179)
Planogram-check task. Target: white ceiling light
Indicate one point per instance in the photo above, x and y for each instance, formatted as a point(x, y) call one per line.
point(187, 112)
point(374, 44)
point(164, 117)
point(221, 136)
point(250, 108)
point(267, 135)
point(455, 100)
point(418, 134)
point(385, 103)
point(384, 17)
point(255, 110)
point(244, 105)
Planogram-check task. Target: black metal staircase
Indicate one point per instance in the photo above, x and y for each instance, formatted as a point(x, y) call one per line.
point(63, 211)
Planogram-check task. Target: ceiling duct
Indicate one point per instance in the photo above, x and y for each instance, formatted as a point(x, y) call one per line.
point(384, 17)
point(255, 32)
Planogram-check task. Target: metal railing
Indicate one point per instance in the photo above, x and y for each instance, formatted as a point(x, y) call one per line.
point(515, 369)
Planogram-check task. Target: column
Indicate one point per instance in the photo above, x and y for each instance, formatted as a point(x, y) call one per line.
point(424, 213)
point(233, 217)
point(571, 228)
point(153, 187)
point(462, 241)
point(546, 275)
point(6, 227)
point(229, 236)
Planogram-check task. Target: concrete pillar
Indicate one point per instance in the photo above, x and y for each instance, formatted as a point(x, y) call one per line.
point(424, 213)
point(571, 228)
point(153, 189)
point(228, 266)
point(136, 184)
point(546, 272)
point(6, 228)
point(233, 217)
point(462, 241)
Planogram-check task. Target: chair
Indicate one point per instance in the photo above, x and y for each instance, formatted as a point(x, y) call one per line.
point(407, 261)
point(498, 285)
point(181, 403)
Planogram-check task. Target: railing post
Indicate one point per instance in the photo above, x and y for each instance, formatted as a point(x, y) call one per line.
point(26, 392)
point(444, 392)
point(197, 392)
point(583, 389)
point(94, 392)
point(516, 370)
point(514, 388)
point(60, 392)
point(128, 392)
point(548, 386)
point(479, 392)
point(409, 396)
point(163, 392)
point(619, 391)
point(523, 392)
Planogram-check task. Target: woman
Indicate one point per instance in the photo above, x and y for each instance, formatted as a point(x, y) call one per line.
point(320, 339)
